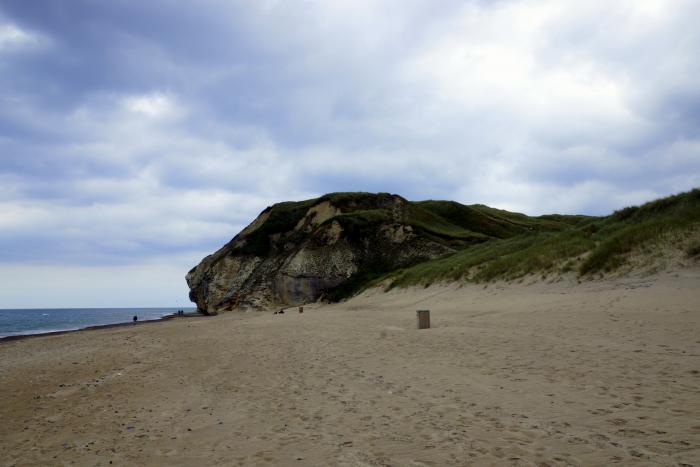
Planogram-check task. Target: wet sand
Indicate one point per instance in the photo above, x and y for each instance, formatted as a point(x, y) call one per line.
point(601, 373)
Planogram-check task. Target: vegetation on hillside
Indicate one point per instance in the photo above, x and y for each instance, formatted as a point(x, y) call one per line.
point(445, 222)
point(585, 246)
point(494, 244)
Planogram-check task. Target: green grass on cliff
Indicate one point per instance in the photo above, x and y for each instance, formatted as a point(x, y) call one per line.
point(631, 228)
point(494, 244)
point(587, 246)
point(282, 218)
point(496, 223)
point(445, 222)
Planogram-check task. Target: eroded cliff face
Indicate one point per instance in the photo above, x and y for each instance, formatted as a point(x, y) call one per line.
point(296, 253)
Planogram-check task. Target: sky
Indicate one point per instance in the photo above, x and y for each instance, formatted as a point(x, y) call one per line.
point(138, 137)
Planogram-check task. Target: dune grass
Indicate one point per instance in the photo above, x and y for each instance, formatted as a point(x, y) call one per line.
point(634, 227)
point(693, 250)
point(590, 246)
point(500, 259)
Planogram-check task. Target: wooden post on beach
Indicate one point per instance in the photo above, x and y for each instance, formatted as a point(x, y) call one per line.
point(301, 309)
point(423, 319)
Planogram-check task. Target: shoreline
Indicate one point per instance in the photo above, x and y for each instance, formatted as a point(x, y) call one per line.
point(97, 327)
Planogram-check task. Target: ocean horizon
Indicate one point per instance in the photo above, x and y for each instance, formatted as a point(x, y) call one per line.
point(19, 322)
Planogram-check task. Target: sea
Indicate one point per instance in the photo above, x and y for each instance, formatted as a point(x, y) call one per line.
point(40, 321)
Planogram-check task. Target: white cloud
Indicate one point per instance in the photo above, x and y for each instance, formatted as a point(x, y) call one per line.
point(156, 105)
point(490, 61)
point(13, 36)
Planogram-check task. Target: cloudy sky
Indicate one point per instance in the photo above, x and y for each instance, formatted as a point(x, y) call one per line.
point(137, 137)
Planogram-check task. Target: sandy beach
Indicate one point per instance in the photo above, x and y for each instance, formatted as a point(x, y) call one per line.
point(599, 373)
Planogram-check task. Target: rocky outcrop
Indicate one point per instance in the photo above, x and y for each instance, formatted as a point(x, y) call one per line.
point(330, 247)
point(300, 252)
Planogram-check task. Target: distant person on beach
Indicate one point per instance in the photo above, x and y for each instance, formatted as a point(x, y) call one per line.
point(136, 318)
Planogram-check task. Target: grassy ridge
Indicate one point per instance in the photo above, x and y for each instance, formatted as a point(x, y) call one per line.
point(587, 246)
point(632, 228)
point(494, 244)
point(444, 222)
point(494, 223)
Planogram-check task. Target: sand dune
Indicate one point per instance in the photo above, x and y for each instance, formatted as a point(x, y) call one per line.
point(547, 374)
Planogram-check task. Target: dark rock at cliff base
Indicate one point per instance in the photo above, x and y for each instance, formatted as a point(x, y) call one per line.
point(329, 247)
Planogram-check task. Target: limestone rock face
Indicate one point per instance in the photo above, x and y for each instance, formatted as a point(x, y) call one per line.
point(300, 252)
